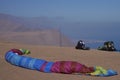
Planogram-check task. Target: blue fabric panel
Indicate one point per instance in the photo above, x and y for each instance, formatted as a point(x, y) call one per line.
point(15, 60)
point(27, 62)
point(31, 64)
point(9, 55)
point(48, 67)
point(38, 64)
point(22, 62)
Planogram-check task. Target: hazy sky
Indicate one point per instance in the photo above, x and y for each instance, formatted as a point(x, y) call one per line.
point(73, 10)
point(81, 10)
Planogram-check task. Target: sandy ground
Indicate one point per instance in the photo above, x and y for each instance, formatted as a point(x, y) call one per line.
point(53, 53)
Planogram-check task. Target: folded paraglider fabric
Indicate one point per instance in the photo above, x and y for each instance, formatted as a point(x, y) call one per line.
point(14, 56)
point(99, 71)
point(28, 62)
point(70, 67)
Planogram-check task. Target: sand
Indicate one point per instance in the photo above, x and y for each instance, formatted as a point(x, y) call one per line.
point(108, 60)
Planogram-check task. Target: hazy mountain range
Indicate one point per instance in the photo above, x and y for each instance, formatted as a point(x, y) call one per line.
point(38, 31)
point(56, 31)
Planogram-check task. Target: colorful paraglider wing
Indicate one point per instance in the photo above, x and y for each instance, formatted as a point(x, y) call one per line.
point(14, 57)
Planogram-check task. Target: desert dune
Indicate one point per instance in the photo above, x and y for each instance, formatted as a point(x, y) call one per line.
point(108, 60)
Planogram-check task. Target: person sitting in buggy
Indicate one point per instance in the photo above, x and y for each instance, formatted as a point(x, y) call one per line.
point(81, 45)
point(108, 46)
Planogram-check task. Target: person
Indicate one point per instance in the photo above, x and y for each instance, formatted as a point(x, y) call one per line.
point(81, 45)
point(108, 46)
point(14, 57)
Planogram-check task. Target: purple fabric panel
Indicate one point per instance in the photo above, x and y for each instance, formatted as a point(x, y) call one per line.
point(78, 67)
point(66, 67)
point(56, 67)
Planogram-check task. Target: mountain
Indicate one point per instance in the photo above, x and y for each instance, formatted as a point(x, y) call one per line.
point(27, 31)
point(28, 23)
point(9, 23)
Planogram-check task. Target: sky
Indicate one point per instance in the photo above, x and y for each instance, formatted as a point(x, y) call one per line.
point(76, 10)
point(105, 11)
